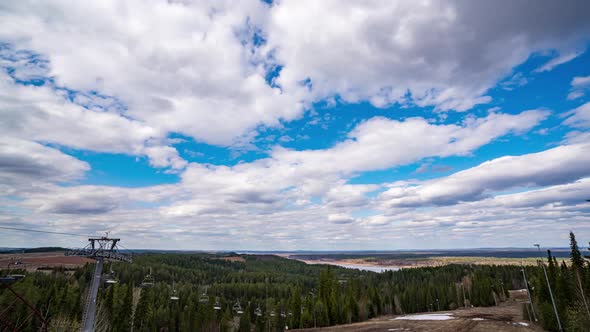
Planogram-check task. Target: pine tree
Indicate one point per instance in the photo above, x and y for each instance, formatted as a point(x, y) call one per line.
point(552, 269)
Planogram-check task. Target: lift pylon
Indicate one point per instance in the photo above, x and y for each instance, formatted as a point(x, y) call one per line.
point(7, 325)
point(102, 247)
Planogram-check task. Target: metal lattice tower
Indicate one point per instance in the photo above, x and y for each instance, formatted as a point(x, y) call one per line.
point(99, 249)
point(7, 325)
point(102, 247)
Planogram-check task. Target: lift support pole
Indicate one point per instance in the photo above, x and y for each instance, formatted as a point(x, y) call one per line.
point(98, 249)
point(89, 316)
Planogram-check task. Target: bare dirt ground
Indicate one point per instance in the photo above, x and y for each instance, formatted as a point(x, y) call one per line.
point(33, 261)
point(503, 318)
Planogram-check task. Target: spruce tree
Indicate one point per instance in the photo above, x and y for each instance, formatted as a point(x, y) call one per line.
point(578, 266)
point(295, 308)
point(123, 320)
point(576, 256)
point(143, 313)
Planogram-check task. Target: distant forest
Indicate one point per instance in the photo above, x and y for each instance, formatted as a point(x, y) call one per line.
point(230, 292)
point(30, 250)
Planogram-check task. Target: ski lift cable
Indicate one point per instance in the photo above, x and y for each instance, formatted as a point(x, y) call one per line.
point(123, 247)
point(39, 231)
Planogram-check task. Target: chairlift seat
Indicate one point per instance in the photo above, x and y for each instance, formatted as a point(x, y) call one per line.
point(7, 279)
point(217, 305)
point(16, 276)
point(146, 284)
point(238, 308)
point(174, 295)
point(148, 280)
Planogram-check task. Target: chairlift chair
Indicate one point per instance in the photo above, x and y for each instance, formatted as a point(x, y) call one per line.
point(148, 280)
point(147, 283)
point(237, 308)
point(283, 314)
point(7, 279)
point(204, 298)
point(16, 276)
point(174, 294)
point(17, 266)
point(217, 305)
point(110, 281)
point(272, 313)
point(110, 278)
point(258, 311)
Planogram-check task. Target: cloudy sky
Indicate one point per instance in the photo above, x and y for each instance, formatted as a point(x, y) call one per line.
point(295, 124)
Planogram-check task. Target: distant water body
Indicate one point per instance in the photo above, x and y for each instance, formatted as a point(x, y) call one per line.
point(372, 268)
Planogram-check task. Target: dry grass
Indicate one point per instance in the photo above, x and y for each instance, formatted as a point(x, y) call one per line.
point(233, 259)
point(483, 261)
point(429, 261)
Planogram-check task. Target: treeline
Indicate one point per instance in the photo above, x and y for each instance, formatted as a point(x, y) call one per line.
point(274, 292)
point(31, 250)
point(393, 256)
point(57, 295)
point(283, 292)
point(252, 293)
point(570, 285)
point(230, 292)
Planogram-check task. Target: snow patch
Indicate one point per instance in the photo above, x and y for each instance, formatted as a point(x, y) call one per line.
point(427, 317)
point(478, 318)
point(523, 323)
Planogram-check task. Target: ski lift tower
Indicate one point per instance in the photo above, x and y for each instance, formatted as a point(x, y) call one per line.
point(98, 249)
point(5, 323)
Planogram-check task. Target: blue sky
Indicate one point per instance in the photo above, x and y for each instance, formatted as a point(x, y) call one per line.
point(295, 125)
